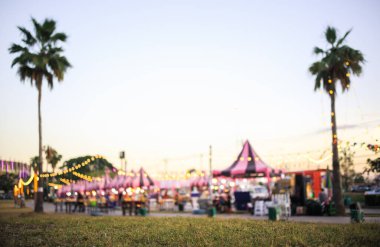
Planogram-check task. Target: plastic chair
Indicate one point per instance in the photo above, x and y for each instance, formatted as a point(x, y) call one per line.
point(259, 208)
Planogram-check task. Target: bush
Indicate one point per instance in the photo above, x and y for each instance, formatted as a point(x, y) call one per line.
point(355, 197)
point(313, 208)
point(372, 200)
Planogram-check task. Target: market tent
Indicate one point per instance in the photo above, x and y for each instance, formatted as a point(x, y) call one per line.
point(248, 164)
point(129, 179)
point(142, 179)
point(200, 181)
point(174, 184)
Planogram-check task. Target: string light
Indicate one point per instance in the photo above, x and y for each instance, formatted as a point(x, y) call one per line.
point(82, 176)
point(331, 92)
point(348, 74)
point(72, 169)
point(330, 81)
point(65, 181)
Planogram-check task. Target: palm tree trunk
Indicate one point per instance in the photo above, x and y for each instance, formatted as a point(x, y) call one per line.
point(39, 196)
point(337, 184)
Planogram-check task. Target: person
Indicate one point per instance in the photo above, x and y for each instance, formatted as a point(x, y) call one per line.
point(228, 203)
point(323, 196)
point(324, 200)
point(127, 204)
point(79, 203)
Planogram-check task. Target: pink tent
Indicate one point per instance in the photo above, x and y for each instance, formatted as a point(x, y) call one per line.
point(142, 179)
point(128, 182)
point(247, 164)
point(200, 181)
point(174, 184)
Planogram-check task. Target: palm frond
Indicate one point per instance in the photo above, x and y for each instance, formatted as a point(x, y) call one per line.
point(29, 39)
point(37, 30)
point(49, 79)
point(25, 72)
point(318, 51)
point(58, 37)
point(48, 28)
point(341, 40)
point(16, 48)
point(330, 35)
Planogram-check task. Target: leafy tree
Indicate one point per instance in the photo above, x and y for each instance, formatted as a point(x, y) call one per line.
point(95, 168)
point(338, 62)
point(374, 165)
point(7, 181)
point(38, 58)
point(347, 162)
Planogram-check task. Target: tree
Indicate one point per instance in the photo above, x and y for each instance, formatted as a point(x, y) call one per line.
point(347, 161)
point(38, 58)
point(7, 181)
point(95, 168)
point(34, 162)
point(52, 157)
point(337, 64)
point(374, 165)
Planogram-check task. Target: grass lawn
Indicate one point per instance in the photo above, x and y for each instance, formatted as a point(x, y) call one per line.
point(21, 227)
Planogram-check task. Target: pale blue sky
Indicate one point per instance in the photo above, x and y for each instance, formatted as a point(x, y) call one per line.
point(165, 79)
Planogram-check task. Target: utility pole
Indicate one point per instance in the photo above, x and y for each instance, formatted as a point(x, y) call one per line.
point(122, 158)
point(210, 174)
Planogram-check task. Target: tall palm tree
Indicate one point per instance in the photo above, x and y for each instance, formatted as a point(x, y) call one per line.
point(38, 58)
point(338, 62)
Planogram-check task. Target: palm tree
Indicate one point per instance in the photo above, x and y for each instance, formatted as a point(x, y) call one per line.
point(52, 157)
point(337, 64)
point(38, 58)
point(33, 162)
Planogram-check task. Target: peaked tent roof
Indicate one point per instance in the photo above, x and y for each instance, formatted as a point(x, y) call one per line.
point(247, 164)
point(142, 179)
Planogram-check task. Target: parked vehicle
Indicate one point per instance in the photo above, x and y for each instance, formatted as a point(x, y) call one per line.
point(360, 188)
point(373, 192)
point(258, 192)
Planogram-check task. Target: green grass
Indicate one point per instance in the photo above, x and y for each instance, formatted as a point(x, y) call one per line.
point(28, 229)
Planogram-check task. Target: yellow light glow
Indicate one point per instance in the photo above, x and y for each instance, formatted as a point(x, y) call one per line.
point(331, 92)
point(348, 74)
point(330, 81)
point(347, 63)
point(332, 113)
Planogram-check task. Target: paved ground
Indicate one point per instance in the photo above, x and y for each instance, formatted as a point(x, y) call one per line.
point(50, 208)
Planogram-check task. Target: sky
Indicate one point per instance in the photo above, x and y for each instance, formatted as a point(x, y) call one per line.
point(164, 80)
